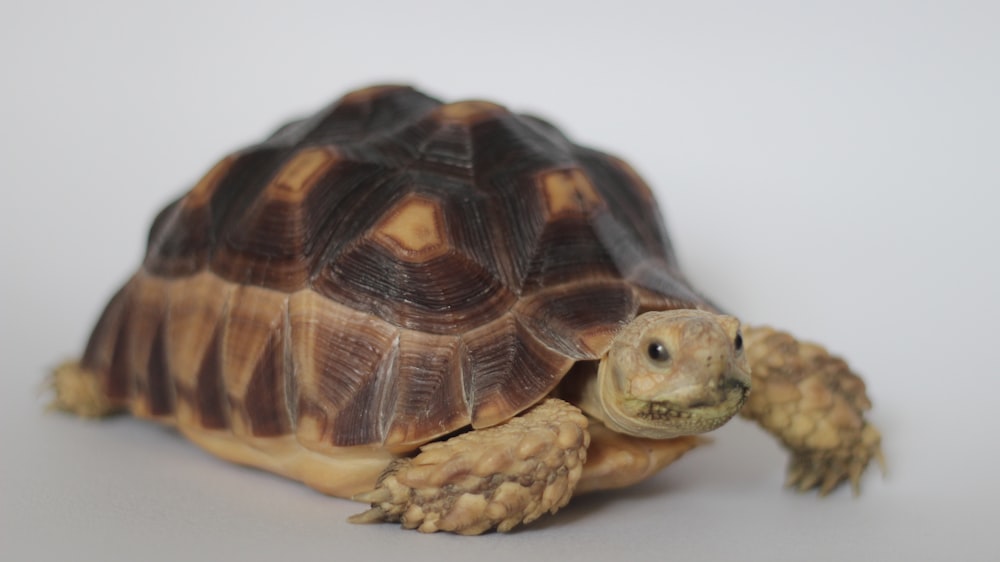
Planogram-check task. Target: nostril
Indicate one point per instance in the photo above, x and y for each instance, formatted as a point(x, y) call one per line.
point(733, 383)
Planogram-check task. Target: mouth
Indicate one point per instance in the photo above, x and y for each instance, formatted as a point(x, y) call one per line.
point(696, 417)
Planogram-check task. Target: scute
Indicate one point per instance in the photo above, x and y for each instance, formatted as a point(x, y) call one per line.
point(574, 320)
point(432, 399)
point(343, 360)
point(254, 362)
point(384, 272)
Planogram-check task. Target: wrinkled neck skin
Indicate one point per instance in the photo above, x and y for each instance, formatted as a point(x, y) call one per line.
point(702, 384)
point(598, 400)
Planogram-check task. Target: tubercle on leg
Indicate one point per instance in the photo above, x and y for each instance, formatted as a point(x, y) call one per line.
point(498, 477)
point(814, 404)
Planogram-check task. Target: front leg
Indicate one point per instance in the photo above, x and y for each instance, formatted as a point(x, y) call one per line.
point(813, 403)
point(499, 477)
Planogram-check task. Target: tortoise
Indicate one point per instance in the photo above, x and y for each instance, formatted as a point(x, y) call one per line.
point(450, 312)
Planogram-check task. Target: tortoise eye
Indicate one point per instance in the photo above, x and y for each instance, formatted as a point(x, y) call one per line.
point(658, 352)
point(738, 342)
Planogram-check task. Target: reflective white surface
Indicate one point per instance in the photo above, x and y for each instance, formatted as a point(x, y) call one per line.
point(830, 170)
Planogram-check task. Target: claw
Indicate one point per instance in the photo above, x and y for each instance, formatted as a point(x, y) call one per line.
point(854, 475)
point(830, 482)
point(795, 472)
point(373, 515)
point(880, 458)
point(377, 495)
point(809, 481)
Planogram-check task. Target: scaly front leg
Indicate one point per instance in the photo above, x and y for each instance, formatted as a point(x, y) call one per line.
point(813, 403)
point(497, 477)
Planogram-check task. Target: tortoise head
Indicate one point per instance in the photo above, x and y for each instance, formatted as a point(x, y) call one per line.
point(672, 373)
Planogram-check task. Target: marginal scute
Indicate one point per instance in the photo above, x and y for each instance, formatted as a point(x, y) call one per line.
point(120, 374)
point(146, 315)
point(104, 352)
point(210, 403)
point(252, 361)
point(194, 320)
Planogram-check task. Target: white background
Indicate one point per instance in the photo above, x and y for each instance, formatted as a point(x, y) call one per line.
point(831, 168)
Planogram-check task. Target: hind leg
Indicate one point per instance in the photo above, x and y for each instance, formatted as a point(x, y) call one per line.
point(80, 392)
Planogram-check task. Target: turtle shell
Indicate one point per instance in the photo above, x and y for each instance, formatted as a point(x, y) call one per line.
point(385, 272)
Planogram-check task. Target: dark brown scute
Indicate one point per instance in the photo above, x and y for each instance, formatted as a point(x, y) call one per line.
point(159, 385)
point(182, 235)
point(264, 401)
point(146, 313)
point(179, 241)
point(645, 271)
point(236, 194)
point(253, 360)
point(446, 153)
point(129, 349)
point(574, 321)
point(429, 386)
point(119, 373)
point(446, 294)
point(568, 249)
point(359, 117)
point(514, 146)
point(507, 370)
point(103, 355)
point(344, 360)
point(415, 289)
point(272, 244)
point(630, 202)
point(195, 318)
point(209, 396)
point(381, 114)
point(512, 155)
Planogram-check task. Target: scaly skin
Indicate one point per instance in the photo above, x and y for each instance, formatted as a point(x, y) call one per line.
point(813, 403)
point(79, 392)
point(499, 477)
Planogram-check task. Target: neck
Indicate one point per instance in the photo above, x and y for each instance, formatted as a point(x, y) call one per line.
point(580, 387)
